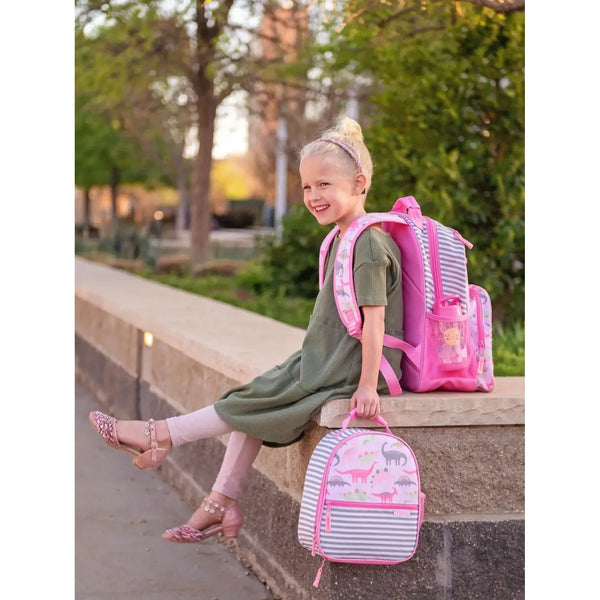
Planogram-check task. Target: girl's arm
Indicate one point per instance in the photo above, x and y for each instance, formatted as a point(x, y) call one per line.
point(366, 399)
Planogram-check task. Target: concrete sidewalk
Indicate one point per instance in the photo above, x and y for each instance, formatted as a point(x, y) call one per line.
point(120, 513)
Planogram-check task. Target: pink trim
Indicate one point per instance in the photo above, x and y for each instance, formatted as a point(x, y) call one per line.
point(367, 561)
point(373, 505)
point(434, 258)
point(322, 503)
point(480, 327)
point(325, 244)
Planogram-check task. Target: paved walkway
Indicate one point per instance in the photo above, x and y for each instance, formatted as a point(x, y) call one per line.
point(120, 515)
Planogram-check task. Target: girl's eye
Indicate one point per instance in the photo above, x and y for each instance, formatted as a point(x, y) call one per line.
point(324, 184)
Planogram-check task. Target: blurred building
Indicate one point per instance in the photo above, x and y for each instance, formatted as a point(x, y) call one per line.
point(135, 204)
point(284, 31)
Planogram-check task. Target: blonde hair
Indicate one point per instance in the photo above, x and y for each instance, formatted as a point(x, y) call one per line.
point(344, 142)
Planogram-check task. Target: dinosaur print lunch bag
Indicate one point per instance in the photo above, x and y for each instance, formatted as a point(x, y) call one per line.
point(362, 500)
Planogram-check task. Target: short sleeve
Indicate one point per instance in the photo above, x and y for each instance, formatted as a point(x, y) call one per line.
point(371, 263)
point(370, 283)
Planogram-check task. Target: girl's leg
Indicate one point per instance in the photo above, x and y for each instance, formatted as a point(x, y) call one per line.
point(174, 431)
point(241, 451)
point(198, 425)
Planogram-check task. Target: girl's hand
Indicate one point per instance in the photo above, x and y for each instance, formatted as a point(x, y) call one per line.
point(366, 401)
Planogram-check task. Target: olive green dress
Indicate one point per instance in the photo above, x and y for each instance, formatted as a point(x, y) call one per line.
point(277, 405)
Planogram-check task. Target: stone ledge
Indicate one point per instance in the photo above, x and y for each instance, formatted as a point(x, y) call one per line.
point(505, 405)
point(217, 335)
point(225, 339)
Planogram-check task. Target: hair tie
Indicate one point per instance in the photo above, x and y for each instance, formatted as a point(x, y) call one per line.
point(345, 148)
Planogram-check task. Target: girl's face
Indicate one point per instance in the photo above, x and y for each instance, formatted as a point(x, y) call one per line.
point(330, 194)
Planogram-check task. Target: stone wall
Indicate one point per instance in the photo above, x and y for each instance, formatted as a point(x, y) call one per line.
point(470, 447)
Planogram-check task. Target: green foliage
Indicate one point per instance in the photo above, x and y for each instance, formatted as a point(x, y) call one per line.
point(509, 350)
point(120, 134)
point(100, 148)
point(288, 267)
point(447, 125)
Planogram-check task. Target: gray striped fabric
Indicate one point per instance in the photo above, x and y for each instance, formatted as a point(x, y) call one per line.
point(349, 531)
point(312, 484)
point(453, 264)
point(369, 534)
point(421, 237)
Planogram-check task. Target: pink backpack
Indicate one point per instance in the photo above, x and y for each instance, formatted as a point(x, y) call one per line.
point(447, 322)
point(362, 500)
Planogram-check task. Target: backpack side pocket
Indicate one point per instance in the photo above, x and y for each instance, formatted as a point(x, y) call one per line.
point(481, 334)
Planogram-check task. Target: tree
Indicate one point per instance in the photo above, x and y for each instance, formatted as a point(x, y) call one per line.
point(445, 121)
point(204, 43)
point(115, 140)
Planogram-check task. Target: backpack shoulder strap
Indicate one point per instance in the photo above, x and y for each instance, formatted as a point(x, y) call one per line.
point(325, 245)
point(343, 275)
point(345, 295)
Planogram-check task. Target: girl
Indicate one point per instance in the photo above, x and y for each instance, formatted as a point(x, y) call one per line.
point(274, 408)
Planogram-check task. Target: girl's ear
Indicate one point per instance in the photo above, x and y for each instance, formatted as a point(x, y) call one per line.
point(360, 184)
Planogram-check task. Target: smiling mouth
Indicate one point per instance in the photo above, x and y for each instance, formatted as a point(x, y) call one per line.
point(320, 208)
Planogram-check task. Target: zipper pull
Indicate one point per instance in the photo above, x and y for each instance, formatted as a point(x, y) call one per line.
point(460, 238)
point(318, 577)
point(328, 518)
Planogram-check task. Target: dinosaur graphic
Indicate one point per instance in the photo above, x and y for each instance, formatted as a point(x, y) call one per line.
point(404, 481)
point(386, 497)
point(337, 482)
point(357, 474)
point(393, 456)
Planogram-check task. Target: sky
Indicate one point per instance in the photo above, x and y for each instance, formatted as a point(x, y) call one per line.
point(231, 128)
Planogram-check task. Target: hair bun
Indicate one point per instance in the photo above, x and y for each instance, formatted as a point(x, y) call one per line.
point(349, 128)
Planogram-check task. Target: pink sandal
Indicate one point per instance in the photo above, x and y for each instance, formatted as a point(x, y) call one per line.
point(106, 426)
point(230, 522)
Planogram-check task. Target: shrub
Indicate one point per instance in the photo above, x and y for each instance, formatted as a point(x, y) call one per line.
point(509, 350)
point(289, 266)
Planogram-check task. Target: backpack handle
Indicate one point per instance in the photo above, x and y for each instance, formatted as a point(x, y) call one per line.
point(407, 205)
point(378, 418)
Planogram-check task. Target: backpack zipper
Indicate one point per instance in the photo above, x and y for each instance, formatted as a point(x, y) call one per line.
point(376, 505)
point(434, 258)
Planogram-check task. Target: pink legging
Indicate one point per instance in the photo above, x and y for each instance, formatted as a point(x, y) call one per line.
point(241, 450)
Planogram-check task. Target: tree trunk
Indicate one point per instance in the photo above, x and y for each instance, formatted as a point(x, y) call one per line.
point(208, 28)
point(201, 213)
point(114, 185)
point(86, 206)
